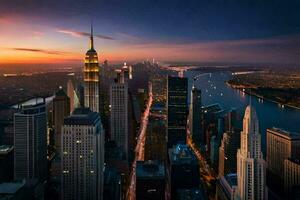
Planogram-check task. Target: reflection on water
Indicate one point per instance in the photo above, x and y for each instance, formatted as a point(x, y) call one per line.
point(270, 114)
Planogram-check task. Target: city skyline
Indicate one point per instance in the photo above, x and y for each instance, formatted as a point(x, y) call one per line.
point(205, 107)
point(193, 31)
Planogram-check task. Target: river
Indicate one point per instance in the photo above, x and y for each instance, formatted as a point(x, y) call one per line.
point(215, 90)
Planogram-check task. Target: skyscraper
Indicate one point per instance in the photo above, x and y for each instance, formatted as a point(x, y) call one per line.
point(177, 105)
point(61, 109)
point(226, 187)
point(150, 180)
point(251, 167)
point(159, 89)
point(280, 146)
point(184, 170)
point(91, 77)
point(227, 152)
point(82, 156)
point(155, 142)
point(71, 95)
point(292, 177)
point(195, 116)
point(30, 130)
point(119, 112)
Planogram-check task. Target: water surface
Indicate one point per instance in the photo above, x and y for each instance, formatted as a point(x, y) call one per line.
point(215, 90)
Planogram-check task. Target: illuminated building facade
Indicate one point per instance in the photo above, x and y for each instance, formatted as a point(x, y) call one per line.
point(251, 167)
point(91, 77)
point(292, 177)
point(30, 142)
point(119, 112)
point(82, 159)
point(227, 152)
point(281, 145)
point(177, 105)
point(155, 143)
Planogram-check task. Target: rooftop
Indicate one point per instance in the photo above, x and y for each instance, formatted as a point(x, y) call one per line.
point(227, 183)
point(11, 187)
point(150, 169)
point(60, 93)
point(4, 149)
point(213, 108)
point(82, 116)
point(182, 154)
point(295, 160)
point(34, 108)
point(190, 194)
point(231, 179)
point(285, 134)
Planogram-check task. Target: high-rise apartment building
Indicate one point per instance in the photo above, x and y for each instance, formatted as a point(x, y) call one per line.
point(292, 177)
point(155, 142)
point(195, 116)
point(227, 152)
point(226, 187)
point(82, 156)
point(119, 112)
point(61, 109)
point(30, 142)
point(150, 180)
point(251, 167)
point(281, 145)
point(184, 170)
point(177, 109)
point(71, 94)
point(159, 89)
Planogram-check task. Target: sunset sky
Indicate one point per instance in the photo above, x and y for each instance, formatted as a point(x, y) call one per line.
point(55, 31)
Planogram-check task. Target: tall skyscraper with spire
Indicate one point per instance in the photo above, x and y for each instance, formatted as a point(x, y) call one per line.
point(91, 77)
point(251, 167)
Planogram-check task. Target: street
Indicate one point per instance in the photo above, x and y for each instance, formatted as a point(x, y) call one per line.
point(140, 147)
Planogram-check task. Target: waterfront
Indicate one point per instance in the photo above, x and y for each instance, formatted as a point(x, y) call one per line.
point(215, 90)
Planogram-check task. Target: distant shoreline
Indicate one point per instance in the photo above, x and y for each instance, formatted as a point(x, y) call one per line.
point(244, 88)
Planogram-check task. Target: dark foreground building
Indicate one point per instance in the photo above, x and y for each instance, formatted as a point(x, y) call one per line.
point(183, 169)
point(150, 180)
point(226, 187)
point(177, 104)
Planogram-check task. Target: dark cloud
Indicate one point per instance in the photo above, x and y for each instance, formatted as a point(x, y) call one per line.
point(79, 34)
point(44, 51)
point(168, 22)
point(168, 19)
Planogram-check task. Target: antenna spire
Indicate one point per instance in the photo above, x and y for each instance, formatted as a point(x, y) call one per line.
point(91, 37)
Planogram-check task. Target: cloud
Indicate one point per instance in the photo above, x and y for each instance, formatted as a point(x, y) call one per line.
point(83, 34)
point(44, 51)
point(281, 49)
